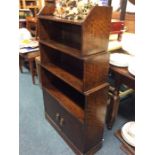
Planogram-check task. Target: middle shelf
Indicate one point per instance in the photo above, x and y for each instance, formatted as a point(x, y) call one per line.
point(65, 95)
point(58, 46)
point(81, 74)
point(65, 76)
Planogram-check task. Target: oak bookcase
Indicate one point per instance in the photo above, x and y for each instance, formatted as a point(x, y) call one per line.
point(74, 72)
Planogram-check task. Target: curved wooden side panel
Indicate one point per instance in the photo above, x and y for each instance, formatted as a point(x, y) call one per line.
point(96, 30)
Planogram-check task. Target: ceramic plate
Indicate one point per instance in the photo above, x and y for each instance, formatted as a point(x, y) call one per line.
point(131, 67)
point(128, 133)
point(119, 59)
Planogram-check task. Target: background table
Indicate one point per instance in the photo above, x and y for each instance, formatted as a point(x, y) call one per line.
point(120, 76)
point(30, 57)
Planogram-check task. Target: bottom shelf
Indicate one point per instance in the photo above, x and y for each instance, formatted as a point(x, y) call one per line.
point(66, 103)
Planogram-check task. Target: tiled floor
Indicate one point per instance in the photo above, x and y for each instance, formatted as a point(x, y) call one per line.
point(37, 137)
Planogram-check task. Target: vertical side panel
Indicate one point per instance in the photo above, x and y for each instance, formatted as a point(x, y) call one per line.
point(96, 70)
point(95, 113)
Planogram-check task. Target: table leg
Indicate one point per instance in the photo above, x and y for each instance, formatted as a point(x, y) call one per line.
point(114, 102)
point(114, 105)
point(20, 64)
point(32, 70)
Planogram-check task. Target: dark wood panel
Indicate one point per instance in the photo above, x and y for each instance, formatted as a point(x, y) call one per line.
point(67, 103)
point(96, 71)
point(70, 126)
point(95, 113)
point(96, 29)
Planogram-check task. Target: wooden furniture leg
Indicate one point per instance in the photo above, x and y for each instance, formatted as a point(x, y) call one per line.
point(114, 101)
point(38, 67)
point(32, 70)
point(20, 64)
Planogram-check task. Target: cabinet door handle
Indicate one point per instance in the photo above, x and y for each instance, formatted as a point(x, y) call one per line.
point(61, 121)
point(57, 116)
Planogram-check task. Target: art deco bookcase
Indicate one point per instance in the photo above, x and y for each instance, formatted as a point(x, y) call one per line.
point(74, 72)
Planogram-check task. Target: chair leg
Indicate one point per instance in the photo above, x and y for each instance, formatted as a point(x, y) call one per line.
point(32, 71)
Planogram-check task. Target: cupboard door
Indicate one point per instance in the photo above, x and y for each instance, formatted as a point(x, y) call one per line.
point(65, 122)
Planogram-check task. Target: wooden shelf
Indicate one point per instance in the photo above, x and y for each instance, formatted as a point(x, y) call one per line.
point(57, 19)
point(63, 48)
point(64, 76)
point(66, 103)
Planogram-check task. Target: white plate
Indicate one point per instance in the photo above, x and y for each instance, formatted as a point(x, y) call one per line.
point(131, 67)
point(118, 64)
point(131, 71)
point(128, 133)
point(119, 59)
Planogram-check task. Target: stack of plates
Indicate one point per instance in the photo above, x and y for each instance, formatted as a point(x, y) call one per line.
point(128, 133)
point(120, 60)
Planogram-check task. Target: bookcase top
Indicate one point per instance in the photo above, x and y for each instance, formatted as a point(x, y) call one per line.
point(47, 14)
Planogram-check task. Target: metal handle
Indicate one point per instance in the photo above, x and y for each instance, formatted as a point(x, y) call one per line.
point(61, 121)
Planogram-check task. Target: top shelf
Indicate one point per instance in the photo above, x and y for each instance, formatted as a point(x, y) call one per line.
point(89, 36)
point(57, 19)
